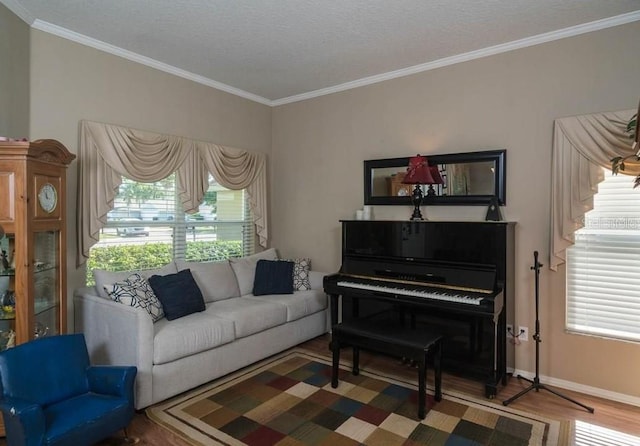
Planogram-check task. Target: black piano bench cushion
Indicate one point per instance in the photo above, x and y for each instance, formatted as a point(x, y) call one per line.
point(178, 293)
point(273, 277)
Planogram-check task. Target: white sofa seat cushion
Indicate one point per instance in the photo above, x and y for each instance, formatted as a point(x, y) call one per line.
point(299, 304)
point(249, 315)
point(189, 335)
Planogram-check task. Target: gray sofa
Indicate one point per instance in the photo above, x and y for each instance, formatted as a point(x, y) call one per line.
point(236, 328)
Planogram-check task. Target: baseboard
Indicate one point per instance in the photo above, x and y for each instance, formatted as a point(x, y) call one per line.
point(588, 390)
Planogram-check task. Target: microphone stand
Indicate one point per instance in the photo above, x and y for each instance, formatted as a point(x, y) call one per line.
point(535, 383)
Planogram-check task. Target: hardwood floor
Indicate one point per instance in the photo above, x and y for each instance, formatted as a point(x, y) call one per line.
point(608, 414)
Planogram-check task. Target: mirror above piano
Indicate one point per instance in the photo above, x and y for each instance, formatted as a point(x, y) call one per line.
point(471, 178)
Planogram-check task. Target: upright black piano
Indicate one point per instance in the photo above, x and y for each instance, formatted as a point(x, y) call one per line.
point(452, 277)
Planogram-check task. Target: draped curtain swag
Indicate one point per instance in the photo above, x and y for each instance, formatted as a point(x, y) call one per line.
point(108, 152)
point(582, 146)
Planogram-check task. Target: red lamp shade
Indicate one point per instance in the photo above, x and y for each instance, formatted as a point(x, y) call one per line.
point(419, 172)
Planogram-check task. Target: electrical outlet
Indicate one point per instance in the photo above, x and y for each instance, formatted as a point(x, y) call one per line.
point(510, 332)
point(524, 333)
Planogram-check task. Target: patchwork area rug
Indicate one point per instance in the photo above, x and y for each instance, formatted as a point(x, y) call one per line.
point(288, 400)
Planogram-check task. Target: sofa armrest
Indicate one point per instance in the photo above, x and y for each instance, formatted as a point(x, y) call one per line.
point(315, 278)
point(117, 334)
point(112, 380)
point(24, 421)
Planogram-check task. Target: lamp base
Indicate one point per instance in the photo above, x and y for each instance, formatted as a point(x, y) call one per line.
point(417, 215)
point(416, 198)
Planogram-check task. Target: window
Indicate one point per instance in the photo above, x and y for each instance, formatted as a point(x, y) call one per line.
point(603, 267)
point(147, 228)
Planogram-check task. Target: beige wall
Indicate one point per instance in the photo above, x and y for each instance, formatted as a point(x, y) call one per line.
point(71, 82)
point(504, 101)
point(14, 75)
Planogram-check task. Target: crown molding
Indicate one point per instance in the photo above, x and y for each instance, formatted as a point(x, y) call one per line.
point(134, 57)
point(465, 57)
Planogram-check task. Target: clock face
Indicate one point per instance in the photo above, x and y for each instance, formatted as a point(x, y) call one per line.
point(48, 197)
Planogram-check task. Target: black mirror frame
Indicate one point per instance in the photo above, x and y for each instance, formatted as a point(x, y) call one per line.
point(497, 156)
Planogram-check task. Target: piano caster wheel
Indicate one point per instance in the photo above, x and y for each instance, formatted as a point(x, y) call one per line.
point(410, 362)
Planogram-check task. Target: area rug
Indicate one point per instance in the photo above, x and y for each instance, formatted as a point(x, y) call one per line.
point(288, 400)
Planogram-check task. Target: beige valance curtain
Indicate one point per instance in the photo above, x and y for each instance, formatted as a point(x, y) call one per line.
point(108, 152)
point(582, 145)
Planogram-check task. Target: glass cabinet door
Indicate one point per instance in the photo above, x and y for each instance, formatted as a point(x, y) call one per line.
point(45, 291)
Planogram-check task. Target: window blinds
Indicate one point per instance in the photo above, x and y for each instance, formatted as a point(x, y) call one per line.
point(603, 267)
point(148, 214)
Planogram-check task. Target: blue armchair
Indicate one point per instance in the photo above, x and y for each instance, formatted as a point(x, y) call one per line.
point(52, 396)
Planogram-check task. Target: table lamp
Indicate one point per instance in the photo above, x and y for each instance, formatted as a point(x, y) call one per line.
point(419, 172)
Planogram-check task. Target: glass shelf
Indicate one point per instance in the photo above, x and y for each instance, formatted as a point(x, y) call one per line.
point(6, 316)
point(37, 269)
point(39, 308)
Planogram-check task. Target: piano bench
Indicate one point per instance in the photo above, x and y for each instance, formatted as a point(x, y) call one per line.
point(394, 340)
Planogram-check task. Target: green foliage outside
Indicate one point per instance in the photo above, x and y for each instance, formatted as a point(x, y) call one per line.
point(155, 255)
point(133, 191)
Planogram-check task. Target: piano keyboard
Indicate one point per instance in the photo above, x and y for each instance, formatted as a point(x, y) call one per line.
point(437, 295)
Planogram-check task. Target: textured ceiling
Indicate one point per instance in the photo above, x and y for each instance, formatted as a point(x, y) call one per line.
point(278, 51)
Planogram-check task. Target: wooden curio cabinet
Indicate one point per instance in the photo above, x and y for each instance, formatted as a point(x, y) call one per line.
point(33, 257)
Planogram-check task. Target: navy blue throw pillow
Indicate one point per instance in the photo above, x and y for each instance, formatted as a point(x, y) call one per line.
point(178, 293)
point(273, 277)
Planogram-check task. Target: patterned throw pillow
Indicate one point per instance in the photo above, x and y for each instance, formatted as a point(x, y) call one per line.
point(136, 292)
point(301, 269)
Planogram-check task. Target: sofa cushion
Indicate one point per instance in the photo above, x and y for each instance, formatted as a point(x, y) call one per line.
point(245, 268)
point(216, 280)
point(301, 268)
point(136, 292)
point(179, 294)
point(273, 277)
point(298, 304)
point(249, 315)
point(104, 277)
point(189, 335)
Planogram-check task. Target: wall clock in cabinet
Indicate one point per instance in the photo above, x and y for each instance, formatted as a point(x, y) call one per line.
point(33, 248)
